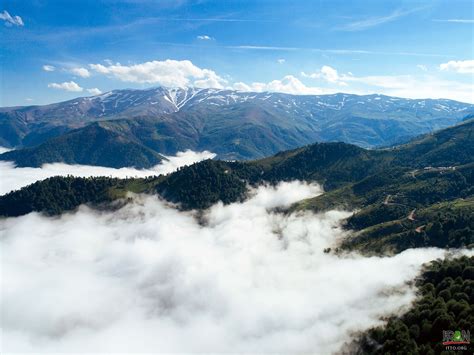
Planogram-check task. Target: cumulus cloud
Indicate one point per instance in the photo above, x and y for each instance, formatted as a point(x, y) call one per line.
point(328, 74)
point(94, 91)
point(82, 72)
point(288, 84)
point(49, 67)
point(281, 60)
point(67, 85)
point(459, 66)
point(11, 20)
point(14, 178)
point(247, 280)
point(204, 38)
point(409, 86)
point(167, 73)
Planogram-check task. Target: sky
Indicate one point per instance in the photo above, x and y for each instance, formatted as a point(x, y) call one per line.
point(58, 50)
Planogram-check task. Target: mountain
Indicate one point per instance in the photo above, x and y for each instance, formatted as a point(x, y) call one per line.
point(93, 145)
point(233, 124)
point(414, 195)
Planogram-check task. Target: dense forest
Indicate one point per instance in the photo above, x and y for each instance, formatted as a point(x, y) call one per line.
point(57, 194)
point(445, 303)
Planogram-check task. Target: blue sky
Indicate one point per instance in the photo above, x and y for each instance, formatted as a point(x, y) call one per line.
point(58, 50)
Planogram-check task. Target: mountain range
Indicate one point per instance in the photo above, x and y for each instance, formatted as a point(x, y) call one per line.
point(145, 124)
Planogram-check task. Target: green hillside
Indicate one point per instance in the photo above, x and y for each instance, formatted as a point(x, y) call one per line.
point(445, 303)
point(92, 145)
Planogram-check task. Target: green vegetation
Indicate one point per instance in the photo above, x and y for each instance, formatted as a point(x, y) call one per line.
point(187, 188)
point(406, 212)
point(92, 145)
point(445, 303)
point(57, 194)
point(445, 225)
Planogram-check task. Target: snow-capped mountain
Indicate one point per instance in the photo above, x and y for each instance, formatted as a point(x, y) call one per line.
point(233, 123)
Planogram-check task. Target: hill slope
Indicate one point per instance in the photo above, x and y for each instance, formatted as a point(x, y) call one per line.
point(445, 302)
point(93, 145)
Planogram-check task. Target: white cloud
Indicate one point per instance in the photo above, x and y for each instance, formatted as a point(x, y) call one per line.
point(257, 281)
point(326, 73)
point(15, 178)
point(47, 67)
point(459, 66)
point(289, 85)
point(29, 99)
point(426, 86)
point(82, 72)
point(167, 73)
point(204, 38)
point(281, 60)
point(376, 21)
point(422, 67)
point(457, 20)
point(415, 87)
point(94, 91)
point(11, 20)
point(67, 85)
point(240, 86)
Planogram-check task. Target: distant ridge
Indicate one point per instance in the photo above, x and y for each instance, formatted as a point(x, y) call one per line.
point(233, 124)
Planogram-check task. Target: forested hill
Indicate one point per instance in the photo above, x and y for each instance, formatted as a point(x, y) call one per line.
point(95, 144)
point(437, 165)
point(446, 302)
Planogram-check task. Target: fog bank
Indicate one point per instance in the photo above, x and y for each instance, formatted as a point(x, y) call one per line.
point(13, 178)
point(148, 278)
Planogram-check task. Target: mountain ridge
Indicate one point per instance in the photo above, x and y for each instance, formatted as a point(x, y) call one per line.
point(233, 124)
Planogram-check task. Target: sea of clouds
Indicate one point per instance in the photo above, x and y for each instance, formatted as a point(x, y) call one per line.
point(149, 278)
point(14, 178)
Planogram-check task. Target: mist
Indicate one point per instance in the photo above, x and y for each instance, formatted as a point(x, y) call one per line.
point(149, 278)
point(14, 178)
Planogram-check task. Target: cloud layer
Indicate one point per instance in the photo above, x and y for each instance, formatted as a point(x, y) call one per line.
point(146, 277)
point(15, 178)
